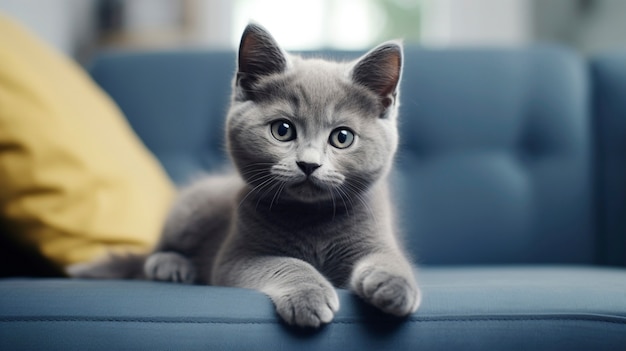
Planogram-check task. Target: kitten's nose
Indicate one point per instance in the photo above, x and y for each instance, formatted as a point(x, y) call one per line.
point(307, 168)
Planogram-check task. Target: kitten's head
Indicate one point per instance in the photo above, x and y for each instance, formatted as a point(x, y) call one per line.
point(311, 130)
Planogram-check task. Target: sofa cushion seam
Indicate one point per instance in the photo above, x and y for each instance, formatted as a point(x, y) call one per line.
point(426, 320)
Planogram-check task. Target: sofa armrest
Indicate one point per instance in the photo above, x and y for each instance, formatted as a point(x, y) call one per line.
point(608, 73)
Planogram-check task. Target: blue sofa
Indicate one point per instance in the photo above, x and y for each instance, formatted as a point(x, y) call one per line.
point(511, 187)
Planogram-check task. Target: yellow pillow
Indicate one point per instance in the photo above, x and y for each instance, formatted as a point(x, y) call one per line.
point(75, 181)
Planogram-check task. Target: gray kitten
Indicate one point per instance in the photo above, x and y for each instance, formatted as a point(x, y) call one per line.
point(313, 142)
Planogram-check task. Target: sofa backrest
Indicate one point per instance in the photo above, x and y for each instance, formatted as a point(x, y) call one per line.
point(495, 164)
point(497, 156)
point(175, 101)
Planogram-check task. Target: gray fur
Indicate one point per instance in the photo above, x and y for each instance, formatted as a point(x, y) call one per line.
point(271, 227)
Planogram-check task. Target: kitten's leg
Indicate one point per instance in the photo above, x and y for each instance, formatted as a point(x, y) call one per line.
point(194, 230)
point(171, 267)
point(302, 296)
point(386, 280)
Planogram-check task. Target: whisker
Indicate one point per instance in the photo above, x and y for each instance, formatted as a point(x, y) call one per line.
point(256, 167)
point(270, 186)
point(260, 178)
point(256, 176)
point(332, 197)
point(362, 183)
point(343, 195)
point(357, 193)
point(256, 189)
point(281, 186)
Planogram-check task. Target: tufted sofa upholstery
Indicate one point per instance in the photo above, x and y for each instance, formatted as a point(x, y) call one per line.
point(511, 187)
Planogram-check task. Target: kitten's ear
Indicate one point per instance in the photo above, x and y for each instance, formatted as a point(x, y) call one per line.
point(379, 70)
point(259, 55)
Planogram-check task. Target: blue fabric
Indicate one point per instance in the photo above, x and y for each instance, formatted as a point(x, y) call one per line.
point(176, 102)
point(495, 164)
point(469, 308)
point(609, 86)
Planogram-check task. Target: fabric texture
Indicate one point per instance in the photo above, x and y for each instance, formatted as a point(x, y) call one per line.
point(468, 308)
point(74, 178)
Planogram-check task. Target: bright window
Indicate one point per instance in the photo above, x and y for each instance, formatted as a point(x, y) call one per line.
point(314, 24)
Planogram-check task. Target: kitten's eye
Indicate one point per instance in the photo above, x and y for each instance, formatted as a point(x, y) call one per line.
point(283, 130)
point(341, 138)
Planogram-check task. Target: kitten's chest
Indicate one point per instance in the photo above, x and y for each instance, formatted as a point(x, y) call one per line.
point(330, 242)
point(332, 249)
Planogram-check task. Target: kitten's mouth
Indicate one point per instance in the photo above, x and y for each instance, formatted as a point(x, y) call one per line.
point(308, 190)
point(309, 183)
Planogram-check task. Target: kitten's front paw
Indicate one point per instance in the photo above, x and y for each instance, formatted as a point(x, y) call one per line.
point(308, 305)
point(390, 293)
point(171, 267)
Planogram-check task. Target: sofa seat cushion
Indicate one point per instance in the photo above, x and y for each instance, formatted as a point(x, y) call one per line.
point(469, 308)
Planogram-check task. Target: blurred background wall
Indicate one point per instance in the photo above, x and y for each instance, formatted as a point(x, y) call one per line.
point(82, 27)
